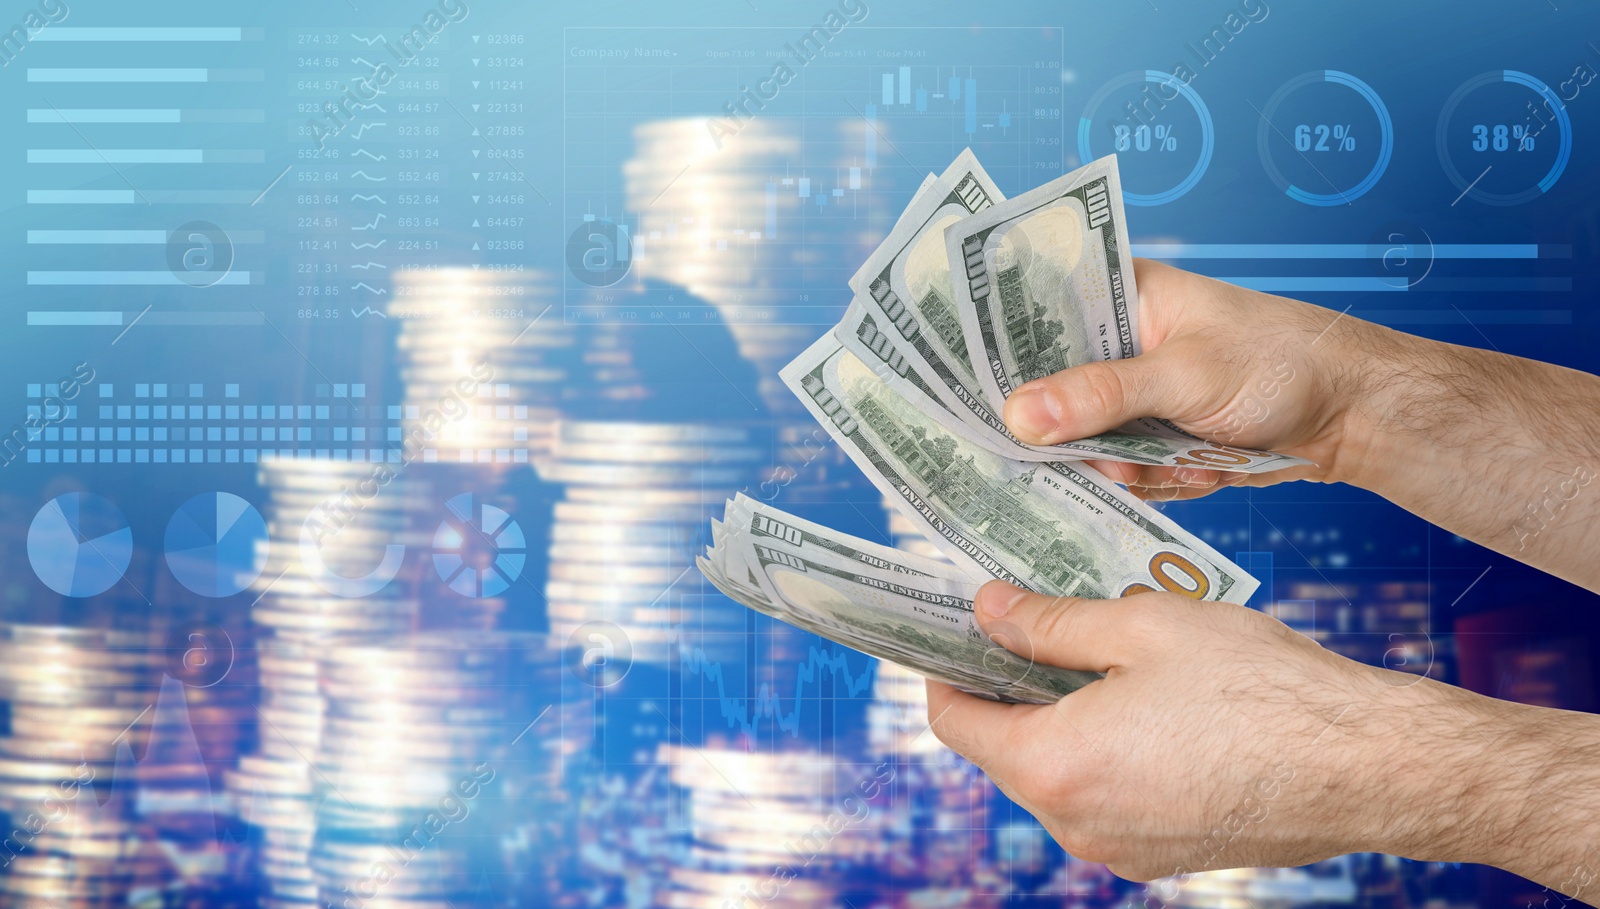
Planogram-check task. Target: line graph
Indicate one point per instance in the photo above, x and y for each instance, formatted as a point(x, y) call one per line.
point(746, 715)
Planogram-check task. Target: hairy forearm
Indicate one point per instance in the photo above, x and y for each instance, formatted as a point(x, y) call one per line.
point(1497, 783)
point(1501, 450)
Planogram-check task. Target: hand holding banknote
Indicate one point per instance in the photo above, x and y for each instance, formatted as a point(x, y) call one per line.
point(1170, 730)
point(1227, 364)
point(1497, 449)
point(1220, 738)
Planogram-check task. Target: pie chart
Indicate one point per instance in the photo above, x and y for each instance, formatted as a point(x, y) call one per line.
point(211, 544)
point(478, 550)
point(79, 544)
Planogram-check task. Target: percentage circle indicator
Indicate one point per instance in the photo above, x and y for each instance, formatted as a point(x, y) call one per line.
point(1496, 145)
point(1153, 135)
point(1327, 137)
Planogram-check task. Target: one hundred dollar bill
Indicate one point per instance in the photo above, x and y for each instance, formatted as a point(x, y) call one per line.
point(912, 319)
point(1155, 443)
point(906, 284)
point(895, 612)
point(763, 521)
point(1046, 280)
point(1053, 527)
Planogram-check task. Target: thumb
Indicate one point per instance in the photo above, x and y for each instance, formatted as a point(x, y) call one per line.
point(1066, 632)
point(1095, 397)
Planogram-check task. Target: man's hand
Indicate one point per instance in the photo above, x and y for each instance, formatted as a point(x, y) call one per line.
point(1501, 450)
point(1230, 365)
point(1221, 738)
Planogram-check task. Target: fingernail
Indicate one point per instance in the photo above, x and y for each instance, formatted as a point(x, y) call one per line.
point(1033, 412)
point(997, 597)
point(1234, 479)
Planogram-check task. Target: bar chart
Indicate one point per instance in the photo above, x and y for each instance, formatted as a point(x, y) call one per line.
point(826, 155)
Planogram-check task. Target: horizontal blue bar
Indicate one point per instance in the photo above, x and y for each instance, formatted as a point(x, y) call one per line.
point(105, 115)
point(60, 317)
point(141, 74)
point(81, 196)
point(153, 196)
point(1297, 284)
point(203, 318)
point(1333, 250)
point(140, 33)
point(1492, 284)
point(94, 74)
point(144, 115)
point(128, 278)
point(114, 156)
point(1473, 317)
point(74, 318)
point(126, 237)
point(1362, 284)
point(145, 156)
point(152, 237)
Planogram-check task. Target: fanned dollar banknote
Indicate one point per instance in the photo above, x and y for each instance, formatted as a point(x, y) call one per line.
point(970, 296)
point(1054, 527)
point(1049, 284)
point(889, 604)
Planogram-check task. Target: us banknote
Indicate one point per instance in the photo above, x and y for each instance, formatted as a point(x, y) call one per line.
point(906, 284)
point(887, 605)
point(911, 319)
point(1053, 527)
point(1046, 281)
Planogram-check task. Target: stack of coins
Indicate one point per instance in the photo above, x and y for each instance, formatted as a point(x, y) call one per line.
point(792, 828)
point(627, 840)
point(639, 499)
point(435, 748)
point(942, 810)
point(482, 355)
point(940, 815)
point(272, 789)
point(1323, 884)
point(73, 696)
point(721, 222)
point(79, 703)
point(351, 517)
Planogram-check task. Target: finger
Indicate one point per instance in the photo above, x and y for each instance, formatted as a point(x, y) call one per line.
point(1152, 487)
point(1119, 471)
point(1068, 632)
point(1097, 397)
point(985, 732)
point(1183, 482)
point(1162, 494)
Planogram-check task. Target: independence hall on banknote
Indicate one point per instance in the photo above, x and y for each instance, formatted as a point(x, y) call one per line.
point(1002, 514)
point(1034, 339)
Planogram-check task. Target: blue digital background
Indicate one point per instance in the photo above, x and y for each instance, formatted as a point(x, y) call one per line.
point(179, 329)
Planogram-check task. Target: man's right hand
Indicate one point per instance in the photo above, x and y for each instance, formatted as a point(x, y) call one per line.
point(1498, 449)
point(1230, 365)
